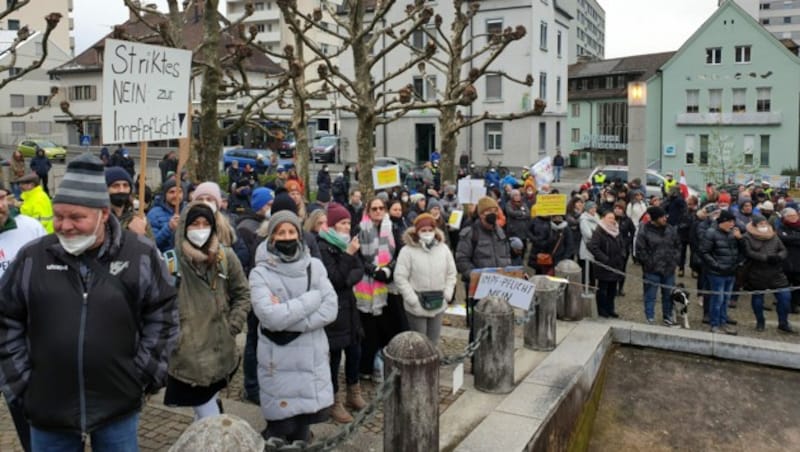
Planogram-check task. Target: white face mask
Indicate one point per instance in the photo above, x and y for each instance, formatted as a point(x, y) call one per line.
point(78, 244)
point(344, 236)
point(763, 229)
point(427, 237)
point(267, 213)
point(198, 237)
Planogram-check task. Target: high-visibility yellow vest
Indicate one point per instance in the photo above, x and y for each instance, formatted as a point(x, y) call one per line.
point(668, 184)
point(599, 178)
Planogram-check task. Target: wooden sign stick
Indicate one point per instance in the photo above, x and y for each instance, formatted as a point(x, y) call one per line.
point(142, 175)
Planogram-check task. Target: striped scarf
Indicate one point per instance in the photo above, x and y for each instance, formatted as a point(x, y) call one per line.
point(377, 247)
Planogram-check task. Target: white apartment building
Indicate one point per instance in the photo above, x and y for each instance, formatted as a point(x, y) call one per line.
point(274, 34)
point(543, 53)
point(779, 17)
point(30, 91)
point(33, 15)
point(587, 36)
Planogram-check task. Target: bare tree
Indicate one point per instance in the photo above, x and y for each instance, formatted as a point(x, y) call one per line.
point(465, 59)
point(51, 21)
point(221, 61)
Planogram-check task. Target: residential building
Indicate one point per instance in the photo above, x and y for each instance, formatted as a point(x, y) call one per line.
point(275, 35)
point(587, 35)
point(729, 97)
point(541, 53)
point(779, 17)
point(598, 107)
point(26, 98)
point(32, 15)
point(81, 80)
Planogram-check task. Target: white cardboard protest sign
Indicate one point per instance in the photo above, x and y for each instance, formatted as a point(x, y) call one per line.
point(517, 292)
point(145, 92)
point(386, 177)
point(470, 190)
point(543, 171)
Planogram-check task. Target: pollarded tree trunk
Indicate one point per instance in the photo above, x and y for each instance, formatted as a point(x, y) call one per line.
point(210, 142)
point(366, 152)
point(448, 143)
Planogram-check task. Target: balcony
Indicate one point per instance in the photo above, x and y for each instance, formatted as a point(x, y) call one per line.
point(265, 15)
point(729, 119)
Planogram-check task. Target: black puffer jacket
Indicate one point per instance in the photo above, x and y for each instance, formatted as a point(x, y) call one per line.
point(720, 252)
point(700, 224)
point(344, 271)
point(609, 251)
point(790, 236)
point(765, 254)
point(562, 237)
point(657, 248)
point(517, 220)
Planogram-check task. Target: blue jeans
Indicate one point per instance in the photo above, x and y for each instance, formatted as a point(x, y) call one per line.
point(783, 297)
point(718, 312)
point(120, 436)
point(558, 173)
point(651, 293)
point(250, 359)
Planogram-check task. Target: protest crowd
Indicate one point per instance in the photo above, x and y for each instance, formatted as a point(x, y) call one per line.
point(141, 297)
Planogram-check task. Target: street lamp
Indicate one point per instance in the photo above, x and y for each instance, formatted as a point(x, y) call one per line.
point(637, 107)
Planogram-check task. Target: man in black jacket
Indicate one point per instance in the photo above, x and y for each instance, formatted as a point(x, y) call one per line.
point(719, 249)
point(82, 350)
point(657, 248)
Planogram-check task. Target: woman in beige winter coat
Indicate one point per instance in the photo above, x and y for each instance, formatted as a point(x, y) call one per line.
point(426, 276)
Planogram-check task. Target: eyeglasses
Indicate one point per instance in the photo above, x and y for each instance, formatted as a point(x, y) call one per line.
point(377, 209)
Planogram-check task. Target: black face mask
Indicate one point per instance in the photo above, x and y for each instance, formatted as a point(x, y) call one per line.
point(287, 247)
point(491, 218)
point(119, 199)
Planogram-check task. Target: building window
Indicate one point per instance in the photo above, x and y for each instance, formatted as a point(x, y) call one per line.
point(418, 39)
point(576, 110)
point(45, 127)
point(261, 28)
point(576, 135)
point(715, 101)
point(42, 100)
point(742, 54)
point(13, 71)
point(17, 101)
point(558, 90)
point(558, 134)
point(704, 149)
point(494, 136)
point(543, 35)
point(692, 101)
point(542, 137)
point(786, 20)
point(543, 85)
point(764, 158)
point(430, 87)
point(493, 27)
point(259, 6)
point(763, 6)
point(763, 101)
point(323, 48)
point(494, 86)
point(82, 92)
point(690, 144)
point(13, 24)
point(739, 95)
point(558, 43)
point(765, 21)
point(749, 144)
point(714, 55)
point(18, 127)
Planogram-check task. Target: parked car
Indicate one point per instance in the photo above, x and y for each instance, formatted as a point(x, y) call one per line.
point(51, 150)
point(259, 159)
point(325, 149)
point(654, 180)
point(287, 146)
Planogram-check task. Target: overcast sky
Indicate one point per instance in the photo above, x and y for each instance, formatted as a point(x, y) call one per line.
point(633, 27)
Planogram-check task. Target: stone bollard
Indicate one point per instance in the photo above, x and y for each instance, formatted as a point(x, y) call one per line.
point(411, 412)
point(493, 364)
point(569, 306)
point(540, 331)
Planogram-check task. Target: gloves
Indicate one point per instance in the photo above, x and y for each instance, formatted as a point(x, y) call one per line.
point(382, 274)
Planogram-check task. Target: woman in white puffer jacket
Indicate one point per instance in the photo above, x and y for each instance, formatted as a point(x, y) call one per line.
point(426, 276)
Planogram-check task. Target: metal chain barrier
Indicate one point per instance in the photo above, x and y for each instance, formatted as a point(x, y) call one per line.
point(384, 390)
point(695, 291)
point(469, 350)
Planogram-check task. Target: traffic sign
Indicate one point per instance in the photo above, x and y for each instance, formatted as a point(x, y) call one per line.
point(86, 140)
point(145, 92)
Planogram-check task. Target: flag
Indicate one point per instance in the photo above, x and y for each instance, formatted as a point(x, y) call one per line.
point(684, 187)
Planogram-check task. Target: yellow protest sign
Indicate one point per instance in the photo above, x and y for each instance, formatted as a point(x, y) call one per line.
point(547, 205)
point(386, 177)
